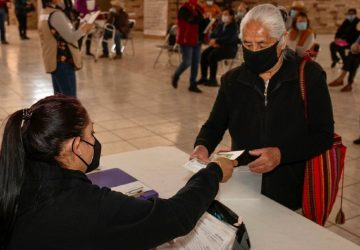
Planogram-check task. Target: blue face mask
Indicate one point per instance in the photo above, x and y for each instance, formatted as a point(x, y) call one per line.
point(293, 13)
point(350, 17)
point(301, 26)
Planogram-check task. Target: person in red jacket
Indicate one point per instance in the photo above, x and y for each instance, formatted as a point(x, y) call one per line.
point(190, 21)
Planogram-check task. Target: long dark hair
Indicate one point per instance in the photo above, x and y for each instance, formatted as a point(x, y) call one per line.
point(37, 133)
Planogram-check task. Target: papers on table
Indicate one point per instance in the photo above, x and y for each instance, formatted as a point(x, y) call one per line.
point(194, 165)
point(232, 155)
point(209, 233)
point(135, 188)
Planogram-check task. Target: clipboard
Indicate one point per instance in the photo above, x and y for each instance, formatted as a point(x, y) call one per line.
point(120, 181)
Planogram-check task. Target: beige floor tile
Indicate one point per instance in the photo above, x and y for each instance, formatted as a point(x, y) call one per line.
point(106, 136)
point(132, 133)
point(117, 124)
point(148, 120)
point(346, 234)
point(185, 137)
point(352, 225)
point(116, 147)
point(350, 210)
point(352, 193)
point(151, 141)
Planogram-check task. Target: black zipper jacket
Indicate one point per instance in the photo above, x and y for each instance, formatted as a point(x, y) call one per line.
point(258, 118)
point(61, 209)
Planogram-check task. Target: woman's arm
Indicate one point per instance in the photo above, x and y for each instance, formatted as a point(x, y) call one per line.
point(136, 224)
point(62, 24)
point(214, 128)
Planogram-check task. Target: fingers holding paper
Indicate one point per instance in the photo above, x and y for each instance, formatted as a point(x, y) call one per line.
point(269, 158)
point(201, 153)
point(227, 167)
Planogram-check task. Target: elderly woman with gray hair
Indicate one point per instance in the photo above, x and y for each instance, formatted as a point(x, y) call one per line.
point(260, 103)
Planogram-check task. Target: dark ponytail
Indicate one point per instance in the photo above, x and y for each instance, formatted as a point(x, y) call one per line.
point(12, 162)
point(38, 134)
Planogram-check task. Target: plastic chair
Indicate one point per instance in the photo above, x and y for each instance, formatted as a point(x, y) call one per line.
point(100, 31)
point(129, 37)
point(169, 47)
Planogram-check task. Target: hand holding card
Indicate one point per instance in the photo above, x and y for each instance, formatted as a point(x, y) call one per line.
point(243, 157)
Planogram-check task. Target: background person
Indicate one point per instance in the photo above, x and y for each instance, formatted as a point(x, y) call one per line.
point(211, 9)
point(241, 11)
point(190, 22)
point(59, 43)
point(260, 104)
point(21, 15)
point(3, 6)
point(351, 65)
point(345, 35)
point(296, 7)
point(47, 201)
point(120, 19)
point(82, 7)
point(301, 36)
point(222, 45)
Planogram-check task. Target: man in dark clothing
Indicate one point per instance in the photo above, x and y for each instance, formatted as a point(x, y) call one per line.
point(222, 45)
point(351, 65)
point(344, 37)
point(120, 20)
point(21, 15)
point(261, 105)
point(3, 8)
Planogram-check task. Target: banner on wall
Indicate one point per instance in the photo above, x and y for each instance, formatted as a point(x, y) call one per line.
point(155, 17)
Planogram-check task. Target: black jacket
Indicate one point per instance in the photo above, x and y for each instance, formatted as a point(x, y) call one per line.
point(226, 35)
point(347, 31)
point(61, 209)
point(240, 107)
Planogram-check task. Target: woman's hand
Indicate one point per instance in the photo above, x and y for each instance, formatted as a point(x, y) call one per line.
point(227, 167)
point(86, 27)
point(200, 152)
point(269, 158)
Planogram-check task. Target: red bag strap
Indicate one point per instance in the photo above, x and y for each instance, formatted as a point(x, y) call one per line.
point(306, 58)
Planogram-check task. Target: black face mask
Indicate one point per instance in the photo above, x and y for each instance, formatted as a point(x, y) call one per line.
point(96, 156)
point(262, 60)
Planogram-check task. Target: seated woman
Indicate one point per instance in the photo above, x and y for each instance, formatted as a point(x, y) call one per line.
point(301, 36)
point(120, 20)
point(47, 201)
point(222, 45)
point(351, 65)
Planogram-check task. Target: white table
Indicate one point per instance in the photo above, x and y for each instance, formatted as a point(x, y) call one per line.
point(270, 225)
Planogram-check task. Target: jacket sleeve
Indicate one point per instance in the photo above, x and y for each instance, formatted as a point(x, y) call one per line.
point(214, 128)
point(62, 24)
point(130, 223)
point(320, 119)
point(228, 36)
point(186, 15)
point(340, 31)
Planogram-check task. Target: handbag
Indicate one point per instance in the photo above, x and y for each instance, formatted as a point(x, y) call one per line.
point(322, 172)
point(225, 214)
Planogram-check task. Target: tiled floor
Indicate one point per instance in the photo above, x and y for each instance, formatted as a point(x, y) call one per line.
point(134, 106)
